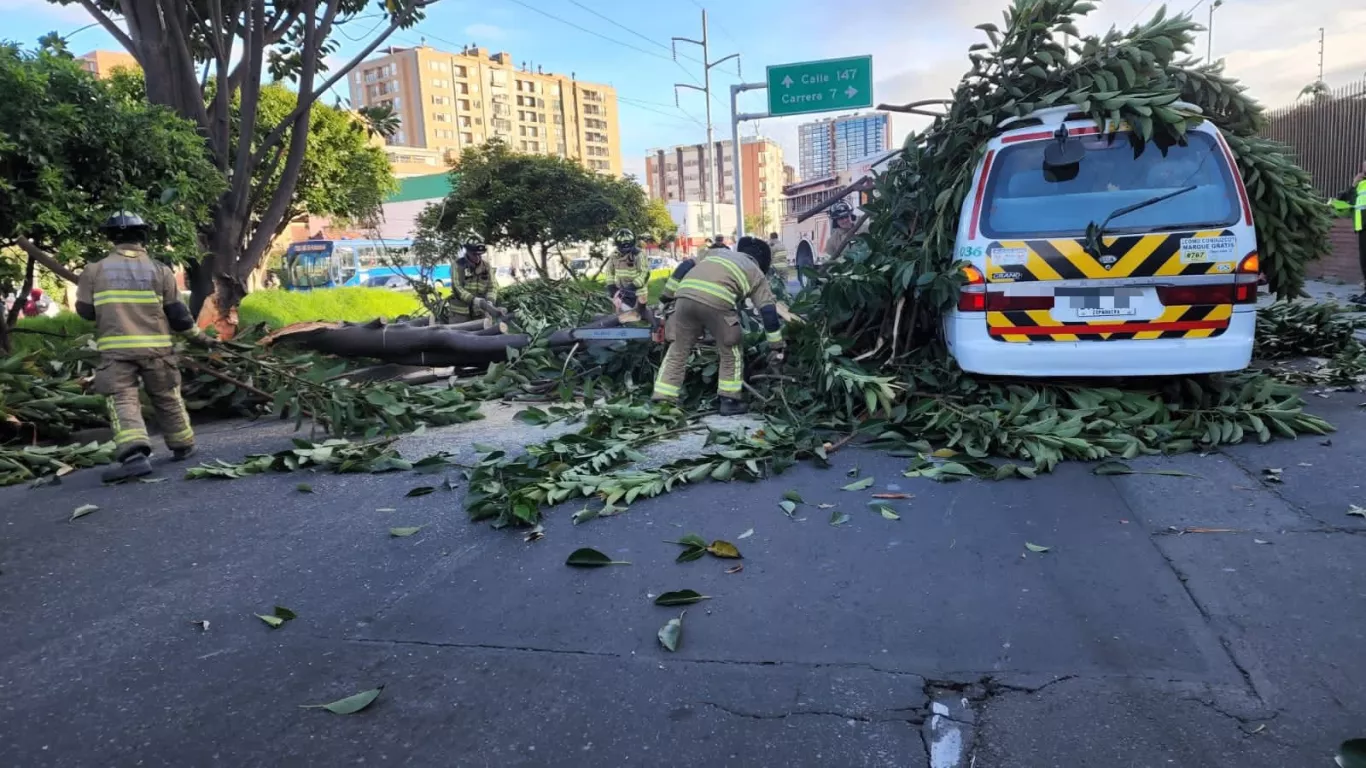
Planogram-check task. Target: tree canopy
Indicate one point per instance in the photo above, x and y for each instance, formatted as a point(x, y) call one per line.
point(532, 202)
point(183, 46)
point(658, 223)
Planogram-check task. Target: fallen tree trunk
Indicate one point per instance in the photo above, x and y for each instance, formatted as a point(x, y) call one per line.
point(419, 344)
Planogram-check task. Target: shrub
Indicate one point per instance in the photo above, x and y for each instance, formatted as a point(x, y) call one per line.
point(66, 324)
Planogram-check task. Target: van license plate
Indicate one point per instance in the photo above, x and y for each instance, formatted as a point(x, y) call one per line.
point(1089, 312)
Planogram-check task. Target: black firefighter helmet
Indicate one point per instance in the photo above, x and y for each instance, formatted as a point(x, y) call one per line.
point(758, 250)
point(125, 227)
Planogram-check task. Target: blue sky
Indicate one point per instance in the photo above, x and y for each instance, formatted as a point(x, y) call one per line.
point(919, 47)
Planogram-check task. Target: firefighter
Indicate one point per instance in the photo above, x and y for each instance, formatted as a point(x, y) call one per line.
point(841, 228)
point(628, 273)
point(709, 296)
point(474, 288)
point(1352, 201)
point(779, 256)
point(135, 304)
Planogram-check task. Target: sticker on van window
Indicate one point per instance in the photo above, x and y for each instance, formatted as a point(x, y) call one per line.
point(1009, 257)
point(1202, 250)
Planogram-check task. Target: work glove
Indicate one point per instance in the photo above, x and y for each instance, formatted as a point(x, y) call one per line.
point(776, 356)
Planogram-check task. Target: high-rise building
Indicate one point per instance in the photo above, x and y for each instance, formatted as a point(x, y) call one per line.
point(103, 63)
point(679, 174)
point(450, 101)
point(830, 145)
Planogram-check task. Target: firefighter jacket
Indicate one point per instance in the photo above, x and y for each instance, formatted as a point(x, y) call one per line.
point(725, 279)
point(474, 281)
point(135, 304)
point(628, 270)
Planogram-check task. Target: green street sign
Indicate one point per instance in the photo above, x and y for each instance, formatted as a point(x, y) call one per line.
point(820, 86)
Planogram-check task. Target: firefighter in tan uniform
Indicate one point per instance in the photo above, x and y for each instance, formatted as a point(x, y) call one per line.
point(780, 263)
point(135, 305)
point(841, 228)
point(472, 285)
point(709, 293)
point(628, 273)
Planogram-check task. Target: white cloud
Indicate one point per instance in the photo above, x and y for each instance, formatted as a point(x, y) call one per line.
point(479, 32)
point(58, 14)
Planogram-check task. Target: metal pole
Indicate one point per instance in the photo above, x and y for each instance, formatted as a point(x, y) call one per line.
point(1209, 42)
point(735, 156)
point(711, 139)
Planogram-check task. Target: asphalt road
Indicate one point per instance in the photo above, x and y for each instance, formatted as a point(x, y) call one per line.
point(936, 640)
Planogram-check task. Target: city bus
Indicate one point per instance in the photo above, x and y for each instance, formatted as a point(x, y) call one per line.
point(331, 263)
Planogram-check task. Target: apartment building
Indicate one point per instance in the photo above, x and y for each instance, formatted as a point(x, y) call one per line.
point(680, 174)
point(450, 101)
point(829, 146)
point(103, 63)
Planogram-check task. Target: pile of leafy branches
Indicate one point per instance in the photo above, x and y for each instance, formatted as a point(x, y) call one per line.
point(891, 295)
point(335, 455)
point(38, 401)
point(1325, 333)
point(21, 464)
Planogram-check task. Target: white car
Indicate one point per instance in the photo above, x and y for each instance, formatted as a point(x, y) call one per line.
point(1169, 286)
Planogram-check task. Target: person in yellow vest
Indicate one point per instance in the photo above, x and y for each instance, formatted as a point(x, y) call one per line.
point(709, 296)
point(1352, 202)
point(779, 256)
point(135, 305)
point(628, 273)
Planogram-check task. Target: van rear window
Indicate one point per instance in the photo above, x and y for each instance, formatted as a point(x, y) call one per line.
point(1023, 201)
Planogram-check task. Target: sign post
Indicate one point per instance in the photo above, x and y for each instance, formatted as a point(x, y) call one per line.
point(830, 85)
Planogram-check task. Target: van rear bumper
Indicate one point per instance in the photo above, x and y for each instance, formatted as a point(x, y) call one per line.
point(977, 352)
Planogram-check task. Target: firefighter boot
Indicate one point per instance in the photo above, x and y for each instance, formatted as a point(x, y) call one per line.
point(135, 465)
point(731, 406)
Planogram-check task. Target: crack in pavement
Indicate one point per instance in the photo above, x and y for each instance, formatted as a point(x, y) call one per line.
point(1271, 488)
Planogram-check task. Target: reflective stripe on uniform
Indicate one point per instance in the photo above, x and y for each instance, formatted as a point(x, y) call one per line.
point(709, 288)
point(739, 274)
point(1360, 205)
point(126, 297)
point(134, 342)
point(665, 390)
point(130, 436)
point(671, 286)
point(774, 337)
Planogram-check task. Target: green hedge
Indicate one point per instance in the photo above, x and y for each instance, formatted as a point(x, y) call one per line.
point(279, 308)
point(68, 324)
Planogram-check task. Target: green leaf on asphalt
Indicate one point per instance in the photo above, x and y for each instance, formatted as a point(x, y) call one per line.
point(838, 518)
point(724, 549)
point(349, 705)
point(421, 490)
point(671, 633)
point(745, 535)
point(408, 531)
point(83, 510)
point(1035, 548)
point(789, 507)
point(588, 557)
point(303, 488)
point(386, 509)
point(724, 471)
point(1352, 754)
point(859, 485)
point(887, 512)
point(151, 480)
point(272, 621)
point(692, 540)
point(793, 496)
point(681, 597)
point(690, 554)
point(1112, 468)
point(1356, 511)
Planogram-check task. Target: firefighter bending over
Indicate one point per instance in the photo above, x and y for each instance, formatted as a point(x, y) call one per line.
point(135, 305)
point(628, 273)
point(473, 286)
point(709, 295)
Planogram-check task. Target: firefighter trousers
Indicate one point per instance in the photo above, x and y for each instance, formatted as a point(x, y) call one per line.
point(118, 381)
point(683, 330)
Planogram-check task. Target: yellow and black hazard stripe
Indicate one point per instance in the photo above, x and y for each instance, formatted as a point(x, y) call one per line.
point(1180, 322)
point(1156, 255)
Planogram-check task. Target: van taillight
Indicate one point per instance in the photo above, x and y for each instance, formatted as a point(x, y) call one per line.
point(972, 297)
point(1246, 278)
point(1186, 295)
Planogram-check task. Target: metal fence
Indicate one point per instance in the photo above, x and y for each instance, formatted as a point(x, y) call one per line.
point(1327, 134)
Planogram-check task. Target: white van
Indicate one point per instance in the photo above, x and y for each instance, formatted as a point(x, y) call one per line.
point(1169, 285)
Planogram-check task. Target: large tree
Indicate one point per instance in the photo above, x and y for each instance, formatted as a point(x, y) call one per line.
point(187, 47)
point(533, 202)
point(344, 173)
point(72, 152)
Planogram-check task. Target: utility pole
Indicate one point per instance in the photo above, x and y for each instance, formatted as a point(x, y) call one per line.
point(1209, 44)
point(707, 64)
point(1320, 54)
